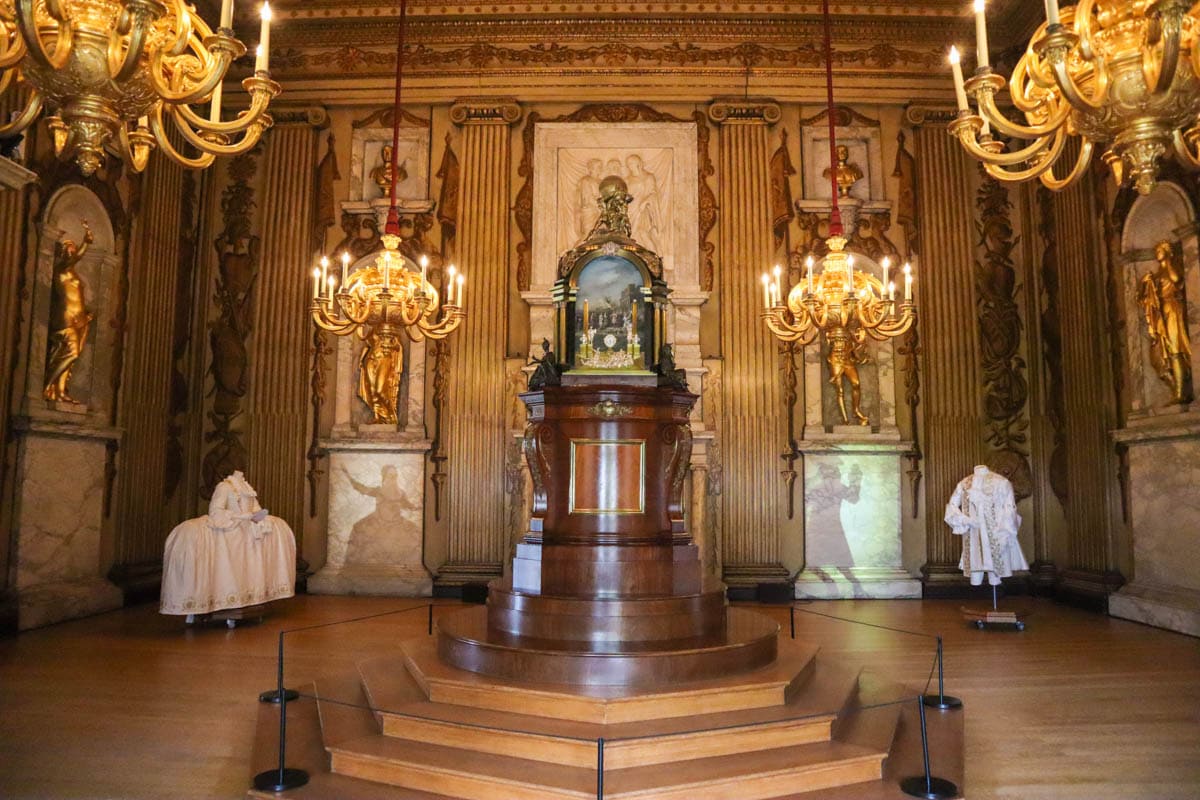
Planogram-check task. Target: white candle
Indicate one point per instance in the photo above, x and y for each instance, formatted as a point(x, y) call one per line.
point(424, 270)
point(892, 291)
point(981, 42)
point(766, 282)
point(850, 273)
point(778, 271)
point(907, 282)
point(226, 14)
point(960, 91)
point(809, 263)
point(450, 294)
point(324, 269)
point(886, 263)
point(262, 62)
point(214, 112)
point(316, 282)
point(387, 269)
point(1052, 12)
point(345, 266)
point(458, 295)
point(330, 282)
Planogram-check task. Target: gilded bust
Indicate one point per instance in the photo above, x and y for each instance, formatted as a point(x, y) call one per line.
point(847, 174)
point(382, 174)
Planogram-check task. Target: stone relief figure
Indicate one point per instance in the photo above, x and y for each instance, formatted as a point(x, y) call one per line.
point(645, 214)
point(847, 174)
point(587, 194)
point(379, 370)
point(70, 318)
point(1164, 306)
point(382, 174)
point(845, 354)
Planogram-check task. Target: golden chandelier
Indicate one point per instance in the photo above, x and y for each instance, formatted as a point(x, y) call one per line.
point(386, 297)
point(1118, 73)
point(110, 72)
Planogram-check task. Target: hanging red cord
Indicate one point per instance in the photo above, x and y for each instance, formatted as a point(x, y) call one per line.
point(835, 216)
point(393, 218)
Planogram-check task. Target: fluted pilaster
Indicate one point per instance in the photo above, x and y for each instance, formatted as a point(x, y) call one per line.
point(1087, 394)
point(277, 407)
point(144, 516)
point(949, 332)
point(475, 421)
point(752, 427)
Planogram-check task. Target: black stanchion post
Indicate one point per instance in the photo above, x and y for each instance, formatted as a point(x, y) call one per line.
point(927, 786)
point(941, 700)
point(793, 610)
point(273, 695)
point(600, 769)
point(282, 778)
point(430, 627)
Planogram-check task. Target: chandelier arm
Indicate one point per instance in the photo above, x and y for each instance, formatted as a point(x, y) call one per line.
point(12, 48)
point(1044, 163)
point(966, 135)
point(1054, 184)
point(261, 91)
point(188, 25)
point(27, 24)
point(248, 140)
point(781, 329)
point(990, 111)
point(1182, 150)
point(156, 126)
point(140, 14)
point(26, 117)
point(324, 323)
point(130, 154)
point(1071, 92)
point(226, 49)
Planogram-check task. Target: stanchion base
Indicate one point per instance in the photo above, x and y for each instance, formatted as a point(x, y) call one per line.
point(292, 778)
point(943, 702)
point(917, 787)
point(273, 696)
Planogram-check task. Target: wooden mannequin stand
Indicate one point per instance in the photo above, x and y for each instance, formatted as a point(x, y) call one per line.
point(987, 617)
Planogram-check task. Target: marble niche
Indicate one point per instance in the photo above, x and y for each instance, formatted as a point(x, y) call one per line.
point(1162, 438)
point(64, 447)
point(375, 530)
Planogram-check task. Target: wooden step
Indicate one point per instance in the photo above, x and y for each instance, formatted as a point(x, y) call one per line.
point(343, 708)
point(406, 714)
point(474, 776)
point(765, 687)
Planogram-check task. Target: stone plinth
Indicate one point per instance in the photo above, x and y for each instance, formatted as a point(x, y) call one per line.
point(853, 545)
point(59, 519)
point(1164, 470)
point(376, 513)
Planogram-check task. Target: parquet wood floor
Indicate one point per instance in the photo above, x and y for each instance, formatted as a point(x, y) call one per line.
point(132, 705)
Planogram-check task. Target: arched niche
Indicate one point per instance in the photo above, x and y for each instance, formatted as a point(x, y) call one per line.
point(1166, 214)
point(64, 217)
point(351, 414)
point(877, 375)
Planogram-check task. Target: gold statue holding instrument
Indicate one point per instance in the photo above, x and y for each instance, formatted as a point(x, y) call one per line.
point(70, 320)
point(1164, 306)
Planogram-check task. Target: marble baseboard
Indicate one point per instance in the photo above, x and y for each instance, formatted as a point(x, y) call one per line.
point(856, 583)
point(375, 580)
point(1163, 607)
point(47, 603)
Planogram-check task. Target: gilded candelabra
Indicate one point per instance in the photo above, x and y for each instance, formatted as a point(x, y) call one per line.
point(110, 73)
point(1120, 73)
point(846, 305)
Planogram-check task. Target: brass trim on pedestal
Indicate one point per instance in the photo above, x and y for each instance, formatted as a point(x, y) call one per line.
point(641, 506)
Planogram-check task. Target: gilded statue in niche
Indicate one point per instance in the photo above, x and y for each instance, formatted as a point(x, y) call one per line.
point(379, 370)
point(1164, 306)
point(70, 320)
point(846, 352)
point(847, 174)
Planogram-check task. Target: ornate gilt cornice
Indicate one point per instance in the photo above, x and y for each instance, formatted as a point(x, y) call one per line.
point(747, 110)
point(485, 111)
point(929, 115)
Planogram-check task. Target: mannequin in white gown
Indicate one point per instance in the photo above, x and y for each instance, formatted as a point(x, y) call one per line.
point(983, 511)
point(234, 556)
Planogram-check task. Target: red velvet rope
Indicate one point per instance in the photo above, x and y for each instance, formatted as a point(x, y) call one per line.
point(835, 216)
point(393, 219)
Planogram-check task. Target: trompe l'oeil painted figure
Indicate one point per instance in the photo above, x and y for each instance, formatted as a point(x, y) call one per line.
point(70, 320)
point(1164, 306)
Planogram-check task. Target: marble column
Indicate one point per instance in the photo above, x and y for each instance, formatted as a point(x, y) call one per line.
point(144, 513)
point(752, 432)
point(1090, 568)
point(949, 333)
point(277, 404)
point(476, 421)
